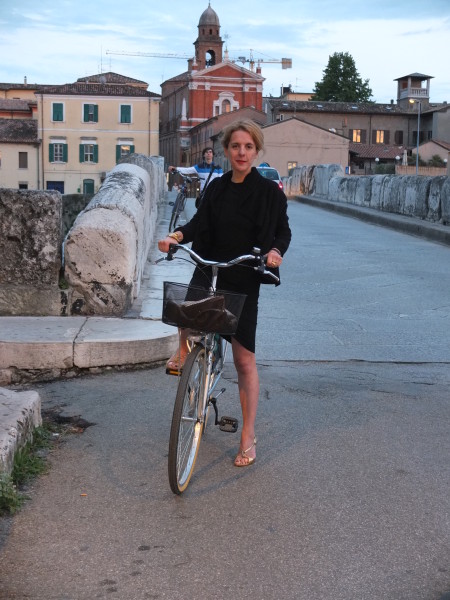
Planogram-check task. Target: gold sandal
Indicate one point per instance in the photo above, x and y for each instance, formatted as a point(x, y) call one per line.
point(175, 364)
point(243, 454)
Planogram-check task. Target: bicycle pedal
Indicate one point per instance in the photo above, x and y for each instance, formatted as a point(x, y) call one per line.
point(228, 424)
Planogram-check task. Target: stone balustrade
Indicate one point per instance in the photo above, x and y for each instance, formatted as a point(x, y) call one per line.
point(104, 252)
point(106, 249)
point(424, 197)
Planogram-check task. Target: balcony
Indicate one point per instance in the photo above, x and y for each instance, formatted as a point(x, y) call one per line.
point(414, 92)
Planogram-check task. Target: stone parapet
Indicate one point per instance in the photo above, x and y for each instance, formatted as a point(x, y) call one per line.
point(106, 249)
point(20, 415)
point(30, 247)
point(423, 197)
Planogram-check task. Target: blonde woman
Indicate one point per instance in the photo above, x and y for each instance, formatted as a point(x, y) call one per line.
point(240, 210)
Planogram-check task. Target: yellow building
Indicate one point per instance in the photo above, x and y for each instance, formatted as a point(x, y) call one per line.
point(88, 126)
point(83, 130)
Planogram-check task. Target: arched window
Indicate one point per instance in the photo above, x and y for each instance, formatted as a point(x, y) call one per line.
point(226, 106)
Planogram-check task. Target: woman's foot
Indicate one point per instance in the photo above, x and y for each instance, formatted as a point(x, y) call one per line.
point(174, 365)
point(245, 458)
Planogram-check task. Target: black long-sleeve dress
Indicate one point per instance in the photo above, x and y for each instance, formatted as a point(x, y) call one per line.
point(233, 219)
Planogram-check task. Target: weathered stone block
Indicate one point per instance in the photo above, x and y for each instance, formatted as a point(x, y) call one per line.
point(30, 236)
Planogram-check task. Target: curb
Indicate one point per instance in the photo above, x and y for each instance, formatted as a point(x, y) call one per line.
point(20, 414)
point(405, 224)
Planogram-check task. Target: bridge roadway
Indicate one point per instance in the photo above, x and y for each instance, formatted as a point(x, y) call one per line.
point(349, 497)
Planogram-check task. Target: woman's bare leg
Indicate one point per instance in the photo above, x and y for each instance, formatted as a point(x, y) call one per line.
point(248, 382)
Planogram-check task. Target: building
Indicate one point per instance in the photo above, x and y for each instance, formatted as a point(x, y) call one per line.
point(378, 133)
point(88, 126)
point(212, 86)
point(72, 134)
point(292, 142)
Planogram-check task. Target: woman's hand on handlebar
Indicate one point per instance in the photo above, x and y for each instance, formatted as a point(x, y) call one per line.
point(273, 258)
point(170, 240)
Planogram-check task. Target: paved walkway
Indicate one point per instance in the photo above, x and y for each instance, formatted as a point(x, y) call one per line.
point(53, 346)
point(49, 347)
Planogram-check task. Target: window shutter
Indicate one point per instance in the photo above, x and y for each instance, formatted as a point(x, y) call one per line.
point(81, 153)
point(65, 152)
point(363, 136)
point(85, 113)
point(374, 136)
point(117, 153)
point(125, 113)
point(96, 113)
point(51, 152)
point(57, 111)
point(95, 153)
point(386, 137)
point(398, 137)
point(131, 149)
point(350, 135)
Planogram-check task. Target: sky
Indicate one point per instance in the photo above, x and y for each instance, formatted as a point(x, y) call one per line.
point(56, 43)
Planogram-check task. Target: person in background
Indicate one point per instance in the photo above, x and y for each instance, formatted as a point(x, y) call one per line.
point(240, 210)
point(206, 171)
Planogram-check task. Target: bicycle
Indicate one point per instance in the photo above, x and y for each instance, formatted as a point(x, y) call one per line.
point(180, 201)
point(207, 313)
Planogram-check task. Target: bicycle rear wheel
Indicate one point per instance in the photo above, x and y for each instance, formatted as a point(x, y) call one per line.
point(187, 426)
point(177, 209)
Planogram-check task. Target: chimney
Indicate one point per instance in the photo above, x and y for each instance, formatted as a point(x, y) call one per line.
point(25, 80)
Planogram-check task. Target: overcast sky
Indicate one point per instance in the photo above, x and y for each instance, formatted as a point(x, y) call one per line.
point(58, 42)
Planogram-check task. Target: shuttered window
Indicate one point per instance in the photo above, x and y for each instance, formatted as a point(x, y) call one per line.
point(88, 153)
point(125, 113)
point(57, 111)
point(90, 113)
point(123, 150)
point(57, 152)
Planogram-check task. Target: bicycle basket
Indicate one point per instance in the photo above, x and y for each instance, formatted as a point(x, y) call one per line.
point(195, 308)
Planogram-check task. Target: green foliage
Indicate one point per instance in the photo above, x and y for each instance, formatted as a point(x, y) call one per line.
point(436, 161)
point(27, 465)
point(385, 169)
point(10, 499)
point(341, 81)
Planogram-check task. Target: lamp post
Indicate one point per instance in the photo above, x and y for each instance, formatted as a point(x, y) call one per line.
point(397, 162)
point(418, 132)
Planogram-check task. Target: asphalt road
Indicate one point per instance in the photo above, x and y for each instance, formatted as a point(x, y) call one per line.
point(349, 497)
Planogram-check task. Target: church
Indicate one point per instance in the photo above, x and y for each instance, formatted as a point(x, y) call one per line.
point(213, 85)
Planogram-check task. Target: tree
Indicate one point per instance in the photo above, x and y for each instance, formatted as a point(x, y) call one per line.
point(341, 81)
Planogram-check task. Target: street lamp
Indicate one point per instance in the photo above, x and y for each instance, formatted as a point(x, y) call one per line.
point(418, 132)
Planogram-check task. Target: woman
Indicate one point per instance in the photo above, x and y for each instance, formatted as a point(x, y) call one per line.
point(240, 210)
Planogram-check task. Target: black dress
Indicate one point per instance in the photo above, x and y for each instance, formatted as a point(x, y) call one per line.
point(234, 218)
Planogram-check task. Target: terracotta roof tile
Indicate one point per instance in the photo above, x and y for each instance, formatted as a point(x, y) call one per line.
point(18, 131)
point(97, 89)
point(17, 105)
point(376, 150)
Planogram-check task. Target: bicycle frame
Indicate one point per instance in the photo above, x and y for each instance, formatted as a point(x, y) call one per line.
point(199, 381)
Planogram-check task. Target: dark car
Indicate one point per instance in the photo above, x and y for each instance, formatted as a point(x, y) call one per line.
point(270, 173)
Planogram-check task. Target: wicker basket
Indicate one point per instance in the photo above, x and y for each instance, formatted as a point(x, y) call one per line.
point(196, 308)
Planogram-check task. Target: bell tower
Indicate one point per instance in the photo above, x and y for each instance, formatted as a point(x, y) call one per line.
point(209, 44)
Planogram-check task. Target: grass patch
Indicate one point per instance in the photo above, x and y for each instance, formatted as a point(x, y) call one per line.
point(28, 464)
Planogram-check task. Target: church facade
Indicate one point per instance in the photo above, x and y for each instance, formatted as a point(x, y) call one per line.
point(213, 85)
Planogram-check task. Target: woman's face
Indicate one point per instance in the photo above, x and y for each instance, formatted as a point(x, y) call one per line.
point(241, 153)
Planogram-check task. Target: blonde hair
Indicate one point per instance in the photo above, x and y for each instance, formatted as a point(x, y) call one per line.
point(252, 128)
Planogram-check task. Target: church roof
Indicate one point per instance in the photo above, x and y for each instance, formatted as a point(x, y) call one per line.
point(209, 17)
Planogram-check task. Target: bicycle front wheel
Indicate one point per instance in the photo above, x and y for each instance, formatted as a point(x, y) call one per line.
point(187, 421)
point(177, 209)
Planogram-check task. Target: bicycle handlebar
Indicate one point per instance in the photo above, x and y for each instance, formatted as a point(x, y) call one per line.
point(187, 178)
point(255, 256)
